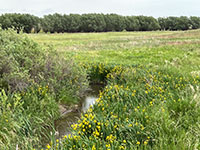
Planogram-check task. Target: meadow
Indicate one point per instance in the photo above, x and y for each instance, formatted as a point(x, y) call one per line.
point(176, 49)
point(150, 99)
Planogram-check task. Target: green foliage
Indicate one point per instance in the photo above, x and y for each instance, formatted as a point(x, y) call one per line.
point(179, 23)
point(25, 117)
point(132, 23)
point(156, 111)
point(29, 63)
point(114, 22)
point(148, 23)
point(18, 56)
point(75, 21)
point(151, 101)
point(53, 23)
point(24, 22)
point(58, 23)
point(33, 81)
point(195, 22)
point(92, 23)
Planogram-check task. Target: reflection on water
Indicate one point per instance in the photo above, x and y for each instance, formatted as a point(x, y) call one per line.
point(62, 125)
point(89, 100)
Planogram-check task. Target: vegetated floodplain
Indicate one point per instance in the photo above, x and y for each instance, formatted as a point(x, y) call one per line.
point(150, 101)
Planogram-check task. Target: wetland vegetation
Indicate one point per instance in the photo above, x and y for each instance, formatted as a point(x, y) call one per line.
point(150, 98)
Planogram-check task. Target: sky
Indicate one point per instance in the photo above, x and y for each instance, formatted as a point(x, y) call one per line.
point(155, 8)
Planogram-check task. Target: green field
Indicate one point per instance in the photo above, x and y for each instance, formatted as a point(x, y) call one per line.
point(150, 100)
point(180, 49)
point(152, 80)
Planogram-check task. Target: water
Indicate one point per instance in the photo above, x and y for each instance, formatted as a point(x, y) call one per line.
point(89, 100)
point(63, 124)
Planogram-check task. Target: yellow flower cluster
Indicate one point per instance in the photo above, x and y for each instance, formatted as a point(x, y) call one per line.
point(123, 108)
point(110, 138)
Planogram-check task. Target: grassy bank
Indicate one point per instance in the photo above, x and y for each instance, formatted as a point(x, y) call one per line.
point(140, 108)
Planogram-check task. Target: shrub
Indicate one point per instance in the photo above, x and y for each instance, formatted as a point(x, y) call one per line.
point(29, 63)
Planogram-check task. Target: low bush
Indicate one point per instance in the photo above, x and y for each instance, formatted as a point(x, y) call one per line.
point(24, 62)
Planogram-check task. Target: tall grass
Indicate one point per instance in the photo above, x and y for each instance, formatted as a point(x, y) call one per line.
point(140, 108)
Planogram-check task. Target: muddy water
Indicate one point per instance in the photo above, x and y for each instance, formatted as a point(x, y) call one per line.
point(63, 124)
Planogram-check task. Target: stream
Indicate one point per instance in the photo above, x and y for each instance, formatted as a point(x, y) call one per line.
point(62, 125)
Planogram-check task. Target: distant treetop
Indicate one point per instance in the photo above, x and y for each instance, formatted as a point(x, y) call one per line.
point(94, 23)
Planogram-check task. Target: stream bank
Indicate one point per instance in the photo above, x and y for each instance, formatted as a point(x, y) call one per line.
point(71, 115)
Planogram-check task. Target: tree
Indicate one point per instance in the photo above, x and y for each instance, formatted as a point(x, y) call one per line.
point(183, 23)
point(195, 22)
point(132, 23)
point(95, 23)
point(148, 23)
point(24, 22)
point(162, 23)
point(53, 23)
point(114, 22)
point(92, 23)
point(75, 22)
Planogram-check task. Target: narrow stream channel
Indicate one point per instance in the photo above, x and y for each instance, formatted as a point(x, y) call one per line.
point(63, 124)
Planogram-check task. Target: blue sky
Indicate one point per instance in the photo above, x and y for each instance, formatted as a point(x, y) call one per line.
point(154, 8)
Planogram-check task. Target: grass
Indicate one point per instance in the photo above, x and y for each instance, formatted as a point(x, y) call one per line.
point(180, 49)
point(151, 100)
point(140, 108)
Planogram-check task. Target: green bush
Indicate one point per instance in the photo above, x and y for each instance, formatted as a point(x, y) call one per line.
point(23, 62)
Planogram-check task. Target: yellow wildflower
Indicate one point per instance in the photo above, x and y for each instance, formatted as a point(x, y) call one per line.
point(48, 146)
point(93, 147)
point(145, 142)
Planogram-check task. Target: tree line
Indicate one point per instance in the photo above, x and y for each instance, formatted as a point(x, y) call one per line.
point(94, 23)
